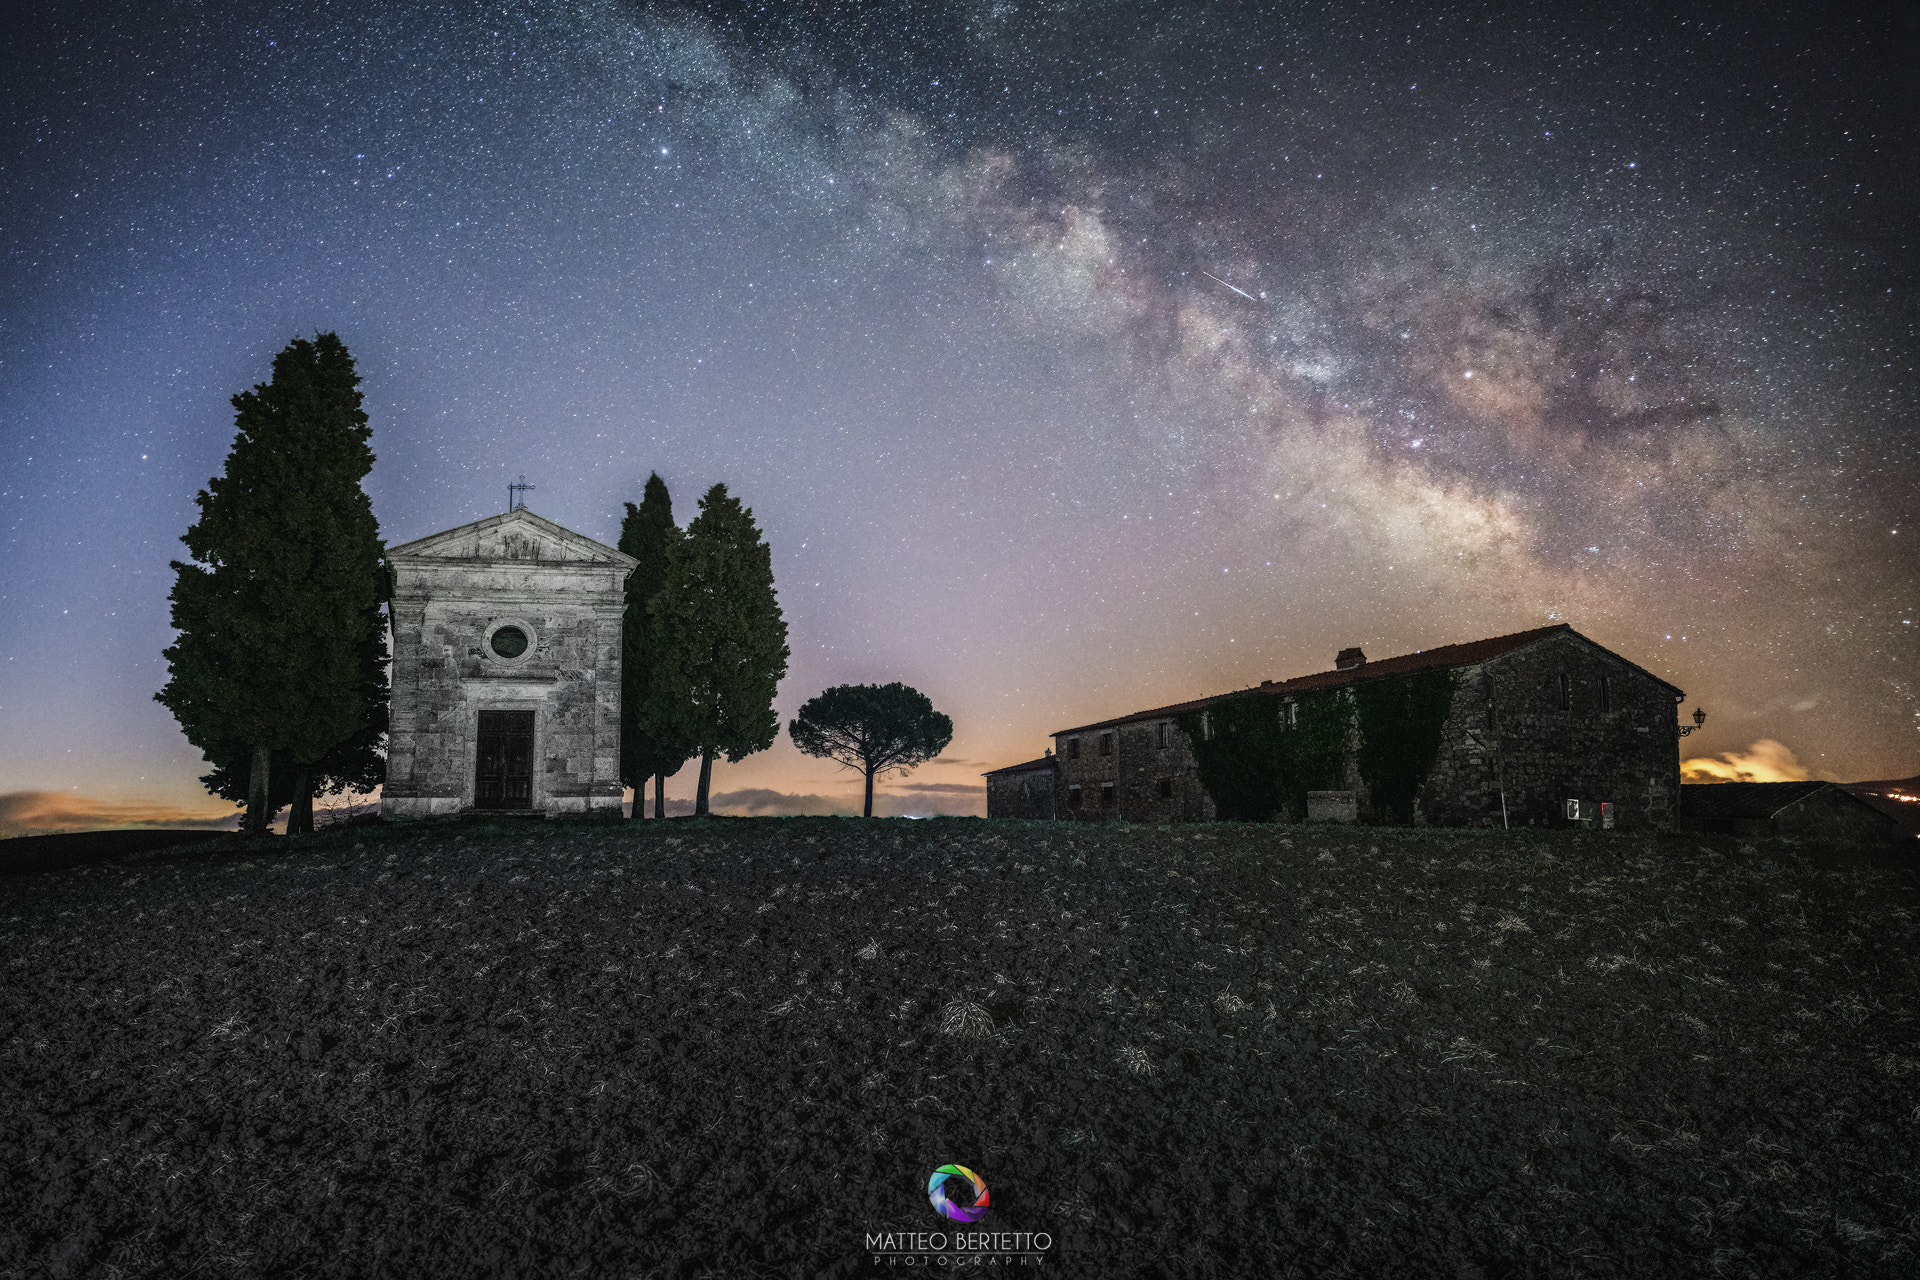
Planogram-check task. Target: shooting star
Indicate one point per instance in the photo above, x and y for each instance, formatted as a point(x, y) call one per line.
point(1217, 280)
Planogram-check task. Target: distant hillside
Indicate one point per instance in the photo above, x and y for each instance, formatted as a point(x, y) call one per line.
point(1898, 798)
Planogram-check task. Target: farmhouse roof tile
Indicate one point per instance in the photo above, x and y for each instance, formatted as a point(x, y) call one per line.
point(1044, 762)
point(1444, 657)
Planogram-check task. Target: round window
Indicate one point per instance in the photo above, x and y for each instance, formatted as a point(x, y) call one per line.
point(509, 642)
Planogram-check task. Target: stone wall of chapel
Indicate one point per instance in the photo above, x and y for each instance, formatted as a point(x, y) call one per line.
point(444, 675)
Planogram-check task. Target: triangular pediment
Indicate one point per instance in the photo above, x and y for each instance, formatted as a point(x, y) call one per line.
point(517, 535)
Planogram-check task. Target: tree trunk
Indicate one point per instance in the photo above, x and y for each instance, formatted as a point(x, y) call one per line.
point(869, 812)
point(259, 779)
point(300, 816)
point(706, 778)
point(659, 795)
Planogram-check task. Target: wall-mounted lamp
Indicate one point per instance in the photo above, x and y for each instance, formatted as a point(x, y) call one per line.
point(1699, 718)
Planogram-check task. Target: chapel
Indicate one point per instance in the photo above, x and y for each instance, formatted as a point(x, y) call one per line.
point(506, 671)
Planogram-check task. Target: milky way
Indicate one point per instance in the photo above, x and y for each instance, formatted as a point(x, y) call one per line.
point(1075, 358)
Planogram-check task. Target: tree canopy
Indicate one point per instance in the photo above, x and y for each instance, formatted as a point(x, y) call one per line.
point(647, 534)
point(282, 645)
point(874, 728)
point(720, 642)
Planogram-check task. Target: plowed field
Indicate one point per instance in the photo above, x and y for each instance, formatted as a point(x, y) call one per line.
point(741, 1048)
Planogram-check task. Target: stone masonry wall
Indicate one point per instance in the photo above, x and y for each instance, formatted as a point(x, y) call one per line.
point(1029, 793)
point(1626, 753)
point(1137, 765)
point(444, 674)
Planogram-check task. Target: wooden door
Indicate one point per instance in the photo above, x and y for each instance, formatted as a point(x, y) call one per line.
point(503, 770)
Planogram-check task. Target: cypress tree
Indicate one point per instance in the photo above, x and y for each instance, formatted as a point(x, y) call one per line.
point(720, 640)
point(281, 642)
point(647, 534)
point(359, 764)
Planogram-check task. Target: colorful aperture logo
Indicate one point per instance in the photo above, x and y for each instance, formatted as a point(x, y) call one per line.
point(937, 1192)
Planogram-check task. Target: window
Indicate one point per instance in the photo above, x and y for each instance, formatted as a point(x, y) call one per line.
point(1206, 726)
point(1566, 692)
point(1606, 691)
point(509, 642)
point(1489, 713)
point(1106, 795)
point(1073, 797)
point(1073, 748)
point(1161, 736)
point(1166, 788)
point(1106, 744)
point(1293, 714)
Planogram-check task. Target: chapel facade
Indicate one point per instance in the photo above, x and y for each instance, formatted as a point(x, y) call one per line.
point(506, 671)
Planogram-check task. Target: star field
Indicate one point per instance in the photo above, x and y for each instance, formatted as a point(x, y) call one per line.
point(1073, 357)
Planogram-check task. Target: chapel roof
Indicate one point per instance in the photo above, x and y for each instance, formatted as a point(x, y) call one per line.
point(538, 539)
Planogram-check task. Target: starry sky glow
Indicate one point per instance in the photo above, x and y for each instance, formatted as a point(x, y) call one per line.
point(1075, 358)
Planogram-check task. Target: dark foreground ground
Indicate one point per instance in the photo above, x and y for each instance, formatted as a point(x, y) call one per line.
point(740, 1048)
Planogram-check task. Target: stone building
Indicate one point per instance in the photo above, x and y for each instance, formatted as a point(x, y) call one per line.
point(506, 671)
point(1536, 719)
point(1806, 810)
point(1027, 790)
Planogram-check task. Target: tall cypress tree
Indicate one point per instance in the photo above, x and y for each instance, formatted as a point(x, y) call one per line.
point(359, 764)
point(281, 639)
point(647, 534)
point(720, 640)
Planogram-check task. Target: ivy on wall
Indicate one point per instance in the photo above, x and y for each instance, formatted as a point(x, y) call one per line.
point(1313, 750)
point(1236, 747)
point(1401, 721)
point(1257, 768)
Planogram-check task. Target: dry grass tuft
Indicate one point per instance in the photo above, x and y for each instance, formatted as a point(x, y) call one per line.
point(965, 1020)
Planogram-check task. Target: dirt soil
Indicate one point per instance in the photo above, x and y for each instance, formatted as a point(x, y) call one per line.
point(741, 1047)
point(23, 855)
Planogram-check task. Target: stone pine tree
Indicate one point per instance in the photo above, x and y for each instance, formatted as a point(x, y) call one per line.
point(720, 641)
point(874, 728)
point(648, 535)
point(282, 643)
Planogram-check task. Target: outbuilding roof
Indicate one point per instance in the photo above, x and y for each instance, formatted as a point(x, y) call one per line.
point(1031, 766)
point(1732, 800)
point(1445, 657)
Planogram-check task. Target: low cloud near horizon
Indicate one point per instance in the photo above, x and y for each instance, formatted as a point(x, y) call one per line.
point(1764, 761)
point(36, 813)
point(763, 802)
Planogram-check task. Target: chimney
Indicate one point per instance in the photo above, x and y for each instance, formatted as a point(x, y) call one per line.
point(1348, 659)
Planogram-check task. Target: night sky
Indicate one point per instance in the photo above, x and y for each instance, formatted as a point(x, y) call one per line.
point(1075, 358)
